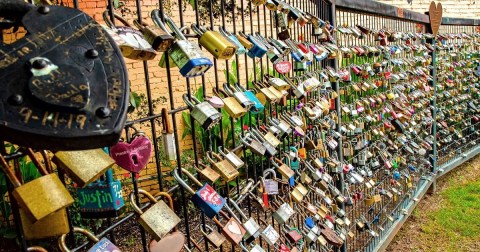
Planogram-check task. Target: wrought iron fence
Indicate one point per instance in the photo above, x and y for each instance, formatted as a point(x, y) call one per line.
point(383, 218)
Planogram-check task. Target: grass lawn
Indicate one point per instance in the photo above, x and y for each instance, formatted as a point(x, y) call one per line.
point(448, 220)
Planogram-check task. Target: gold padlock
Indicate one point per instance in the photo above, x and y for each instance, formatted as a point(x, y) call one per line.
point(215, 42)
point(41, 197)
point(225, 168)
point(158, 37)
point(207, 172)
point(232, 106)
point(159, 219)
point(83, 166)
point(214, 237)
point(299, 192)
point(53, 225)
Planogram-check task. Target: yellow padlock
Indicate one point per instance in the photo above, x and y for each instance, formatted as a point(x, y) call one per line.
point(215, 42)
point(41, 197)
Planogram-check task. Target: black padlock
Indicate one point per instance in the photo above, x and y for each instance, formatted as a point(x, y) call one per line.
point(65, 84)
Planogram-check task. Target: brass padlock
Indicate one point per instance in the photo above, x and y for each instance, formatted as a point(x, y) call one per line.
point(84, 166)
point(41, 197)
point(299, 192)
point(203, 112)
point(266, 92)
point(284, 169)
point(207, 172)
point(224, 167)
point(53, 225)
point(232, 106)
point(215, 42)
point(214, 237)
point(159, 219)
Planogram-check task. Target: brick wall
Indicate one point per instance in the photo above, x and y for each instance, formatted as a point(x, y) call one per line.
point(451, 8)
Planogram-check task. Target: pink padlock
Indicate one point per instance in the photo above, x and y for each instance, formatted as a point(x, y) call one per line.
point(132, 156)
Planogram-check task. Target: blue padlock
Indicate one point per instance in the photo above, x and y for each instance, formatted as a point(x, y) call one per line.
point(293, 160)
point(396, 175)
point(258, 50)
point(258, 106)
point(187, 56)
point(309, 223)
point(206, 198)
point(102, 198)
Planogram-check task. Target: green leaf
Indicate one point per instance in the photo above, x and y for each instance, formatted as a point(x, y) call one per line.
point(199, 94)
point(192, 3)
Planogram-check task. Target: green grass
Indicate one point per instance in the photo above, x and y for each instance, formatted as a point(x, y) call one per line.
point(458, 219)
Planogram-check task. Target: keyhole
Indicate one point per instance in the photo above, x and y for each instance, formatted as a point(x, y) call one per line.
point(135, 159)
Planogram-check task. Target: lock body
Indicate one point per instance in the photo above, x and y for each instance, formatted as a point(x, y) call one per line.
point(283, 213)
point(226, 170)
point(159, 220)
point(53, 225)
point(208, 200)
point(217, 45)
point(189, 58)
point(233, 108)
point(206, 115)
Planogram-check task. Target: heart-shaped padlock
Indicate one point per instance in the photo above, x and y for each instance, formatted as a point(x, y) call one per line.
point(132, 156)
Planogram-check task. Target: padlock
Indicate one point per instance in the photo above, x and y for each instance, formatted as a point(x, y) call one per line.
point(232, 107)
point(257, 48)
point(90, 111)
point(292, 159)
point(159, 219)
point(250, 225)
point(102, 198)
point(283, 169)
point(271, 139)
point(203, 112)
point(233, 230)
point(255, 248)
point(214, 42)
point(157, 36)
point(270, 150)
point(186, 55)
point(277, 82)
point(85, 166)
point(298, 90)
point(40, 197)
point(214, 237)
point(257, 105)
point(299, 192)
point(53, 225)
point(283, 213)
point(240, 96)
point(240, 48)
point(101, 245)
point(235, 160)
point(293, 235)
point(270, 184)
point(254, 145)
point(133, 45)
point(226, 170)
point(207, 172)
point(270, 235)
point(206, 198)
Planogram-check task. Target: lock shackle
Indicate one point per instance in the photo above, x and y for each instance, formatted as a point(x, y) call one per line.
point(249, 186)
point(41, 168)
point(207, 228)
point(270, 171)
point(231, 212)
point(224, 154)
point(155, 15)
point(239, 210)
point(218, 91)
point(36, 248)
point(136, 208)
point(257, 135)
point(198, 29)
point(215, 155)
point(183, 183)
point(189, 102)
point(240, 88)
point(224, 31)
point(174, 28)
point(227, 89)
point(47, 160)
point(109, 22)
point(140, 24)
point(62, 244)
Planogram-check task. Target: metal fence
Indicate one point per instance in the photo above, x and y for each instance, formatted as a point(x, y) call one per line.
point(384, 218)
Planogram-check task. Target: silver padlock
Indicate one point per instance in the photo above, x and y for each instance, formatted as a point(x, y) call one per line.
point(283, 213)
point(203, 112)
point(241, 97)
